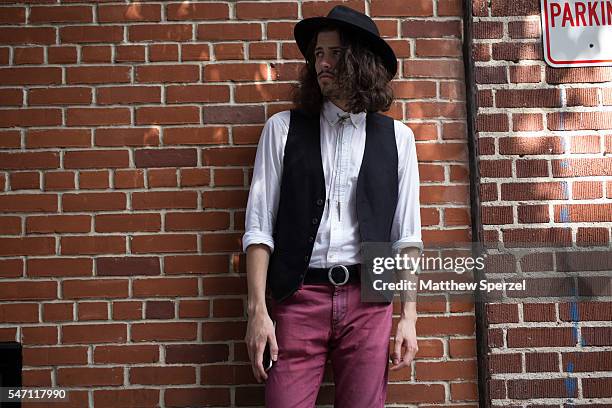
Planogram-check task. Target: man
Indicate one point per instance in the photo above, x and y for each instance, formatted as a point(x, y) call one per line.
point(329, 176)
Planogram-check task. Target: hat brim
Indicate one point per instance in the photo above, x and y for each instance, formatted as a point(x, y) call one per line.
point(305, 30)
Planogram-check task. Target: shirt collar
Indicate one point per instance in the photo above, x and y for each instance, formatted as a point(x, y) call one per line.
point(332, 114)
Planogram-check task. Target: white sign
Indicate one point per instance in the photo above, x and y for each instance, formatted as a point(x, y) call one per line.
point(577, 33)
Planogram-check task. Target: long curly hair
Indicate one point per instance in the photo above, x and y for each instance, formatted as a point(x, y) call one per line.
point(361, 79)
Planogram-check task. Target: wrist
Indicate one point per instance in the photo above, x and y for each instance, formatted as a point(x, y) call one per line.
point(256, 308)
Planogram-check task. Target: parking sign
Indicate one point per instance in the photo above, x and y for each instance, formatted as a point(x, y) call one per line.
point(577, 33)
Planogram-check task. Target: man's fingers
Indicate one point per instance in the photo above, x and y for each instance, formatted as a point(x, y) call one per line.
point(397, 350)
point(259, 361)
point(273, 347)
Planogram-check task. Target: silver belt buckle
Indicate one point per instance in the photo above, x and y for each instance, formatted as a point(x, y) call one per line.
point(331, 279)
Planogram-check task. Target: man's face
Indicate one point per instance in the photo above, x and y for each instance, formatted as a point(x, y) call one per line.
point(328, 51)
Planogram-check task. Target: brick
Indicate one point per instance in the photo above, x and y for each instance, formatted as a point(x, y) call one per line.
point(539, 312)
point(162, 375)
point(166, 158)
point(125, 397)
point(517, 51)
point(596, 336)
point(393, 8)
point(167, 115)
point(13, 15)
point(527, 98)
point(578, 75)
point(540, 337)
point(59, 180)
point(430, 28)
point(96, 54)
point(225, 199)
point(541, 388)
point(236, 72)
point(53, 356)
point(229, 31)
point(61, 54)
point(525, 122)
point(497, 215)
point(98, 288)
point(27, 35)
point(28, 55)
point(127, 222)
point(128, 95)
point(25, 181)
point(582, 167)
point(97, 116)
point(88, 311)
point(517, 8)
point(89, 376)
point(258, 11)
point(129, 179)
point(585, 144)
point(164, 243)
point(36, 138)
point(92, 245)
point(164, 331)
point(481, 52)
point(129, 53)
point(524, 29)
point(533, 237)
point(585, 311)
point(533, 213)
point(19, 313)
point(91, 34)
point(495, 122)
point(33, 290)
point(439, 69)
point(587, 189)
point(57, 312)
point(196, 264)
point(505, 363)
point(127, 266)
point(59, 96)
point(159, 310)
point(46, 267)
point(194, 308)
point(502, 313)
point(58, 224)
point(195, 52)
point(279, 31)
point(60, 14)
point(30, 76)
point(233, 114)
point(197, 93)
point(164, 199)
point(162, 178)
point(93, 180)
point(490, 75)
point(129, 13)
point(532, 168)
point(39, 335)
point(93, 202)
point(114, 137)
point(495, 168)
point(436, 194)
point(165, 287)
point(525, 74)
point(163, 52)
point(597, 387)
point(126, 354)
point(447, 370)
point(488, 30)
point(265, 51)
point(96, 159)
point(10, 225)
point(542, 362)
point(198, 221)
point(160, 32)
point(197, 11)
point(27, 246)
point(168, 73)
point(592, 236)
point(29, 160)
point(25, 117)
point(197, 396)
point(94, 333)
point(196, 136)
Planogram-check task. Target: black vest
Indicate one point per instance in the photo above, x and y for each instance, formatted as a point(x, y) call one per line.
point(302, 196)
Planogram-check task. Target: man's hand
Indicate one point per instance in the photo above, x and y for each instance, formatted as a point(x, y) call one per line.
point(406, 339)
point(260, 330)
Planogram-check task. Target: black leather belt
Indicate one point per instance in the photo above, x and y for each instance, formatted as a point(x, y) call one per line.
point(337, 275)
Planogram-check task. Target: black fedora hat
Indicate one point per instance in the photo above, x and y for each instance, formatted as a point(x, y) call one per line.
point(355, 23)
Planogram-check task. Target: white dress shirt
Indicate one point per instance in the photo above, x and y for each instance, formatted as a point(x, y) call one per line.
point(342, 148)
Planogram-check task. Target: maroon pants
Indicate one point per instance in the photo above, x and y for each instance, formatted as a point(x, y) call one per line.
point(320, 322)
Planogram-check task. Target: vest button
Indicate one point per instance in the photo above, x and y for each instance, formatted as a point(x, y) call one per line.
point(306, 258)
point(311, 239)
point(320, 201)
point(315, 220)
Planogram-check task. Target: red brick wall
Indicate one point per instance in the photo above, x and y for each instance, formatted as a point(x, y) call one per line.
point(127, 137)
point(545, 166)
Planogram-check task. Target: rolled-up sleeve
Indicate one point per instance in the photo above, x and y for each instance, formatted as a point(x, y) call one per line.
point(406, 229)
point(264, 195)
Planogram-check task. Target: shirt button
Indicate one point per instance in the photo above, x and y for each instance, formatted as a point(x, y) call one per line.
point(315, 220)
point(320, 201)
